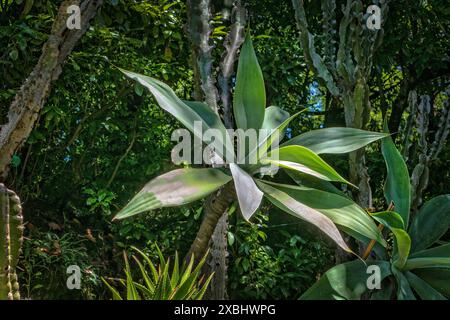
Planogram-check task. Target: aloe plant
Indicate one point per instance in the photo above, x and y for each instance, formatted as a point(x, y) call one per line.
point(419, 264)
point(162, 282)
point(11, 238)
point(312, 197)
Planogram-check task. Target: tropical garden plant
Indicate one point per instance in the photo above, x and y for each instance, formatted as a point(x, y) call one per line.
point(313, 197)
point(162, 282)
point(418, 266)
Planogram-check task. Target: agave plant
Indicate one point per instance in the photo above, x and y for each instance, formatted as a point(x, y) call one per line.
point(419, 264)
point(158, 283)
point(310, 195)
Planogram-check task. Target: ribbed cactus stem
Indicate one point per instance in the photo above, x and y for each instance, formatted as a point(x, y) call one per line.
point(11, 238)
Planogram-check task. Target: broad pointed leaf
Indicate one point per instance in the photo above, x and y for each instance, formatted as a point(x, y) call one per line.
point(341, 210)
point(306, 180)
point(302, 159)
point(335, 140)
point(437, 257)
point(394, 222)
point(423, 289)
point(273, 138)
point(404, 291)
point(347, 281)
point(175, 188)
point(187, 112)
point(397, 187)
point(288, 204)
point(248, 194)
point(430, 223)
point(250, 94)
point(439, 279)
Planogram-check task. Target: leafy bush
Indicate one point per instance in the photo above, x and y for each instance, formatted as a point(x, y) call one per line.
point(158, 283)
point(418, 265)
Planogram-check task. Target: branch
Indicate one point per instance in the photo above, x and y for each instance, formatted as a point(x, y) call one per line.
point(199, 15)
point(31, 97)
point(232, 43)
point(313, 59)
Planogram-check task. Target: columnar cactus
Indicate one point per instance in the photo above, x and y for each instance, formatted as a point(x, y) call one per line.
point(344, 69)
point(11, 238)
point(417, 128)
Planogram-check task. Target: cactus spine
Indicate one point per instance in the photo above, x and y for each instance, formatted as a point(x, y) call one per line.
point(11, 238)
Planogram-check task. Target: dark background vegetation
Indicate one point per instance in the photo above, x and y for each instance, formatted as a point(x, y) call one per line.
point(100, 138)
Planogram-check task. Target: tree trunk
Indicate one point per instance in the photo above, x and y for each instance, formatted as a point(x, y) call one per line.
point(31, 97)
point(215, 206)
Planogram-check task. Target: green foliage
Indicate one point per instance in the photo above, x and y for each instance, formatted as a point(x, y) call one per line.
point(158, 193)
point(46, 256)
point(348, 280)
point(161, 282)
point(271, 261)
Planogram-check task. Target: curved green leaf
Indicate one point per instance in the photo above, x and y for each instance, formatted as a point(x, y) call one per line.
point(403, 245)
point(302, 159)
point(404, 291)
point(175, 188)
point(394, 222)
point(423, 289)
point(437, 257)
point(345, 281)
point(306, 180)
point(335, 140)
point(390, 219)
point(397, 187)
point(341, 210)
point(250, 94)
point(288, 204)
point(430, 223)
point(188, 112)
point(439, 279)
point(273, 136)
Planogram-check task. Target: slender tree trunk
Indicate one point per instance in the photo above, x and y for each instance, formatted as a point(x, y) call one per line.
point(31, 97)
point(213, 230)
point(214, 208)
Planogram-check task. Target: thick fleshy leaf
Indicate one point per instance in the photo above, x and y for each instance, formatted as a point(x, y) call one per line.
point(335, 140)
point(288, 204)
point(273, 137)
point(248, 194)
point(430, 223)
point(390, 219)
point(306, 180)
point(250, 94)
point(341, 210)
point(423, 289)
point(347, 281)
point(437, 257)
point(175, 188)
point(403, 246)
point(394, 222)
point(188, 112)
point(397, 187)
point(273, 117)
point(439, 279)
point(404, 291)
point(302, 159)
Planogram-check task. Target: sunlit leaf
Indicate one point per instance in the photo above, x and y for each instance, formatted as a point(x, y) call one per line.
point(250, 94)
point(335, 140)
point(288, 204)
point(175, 188)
